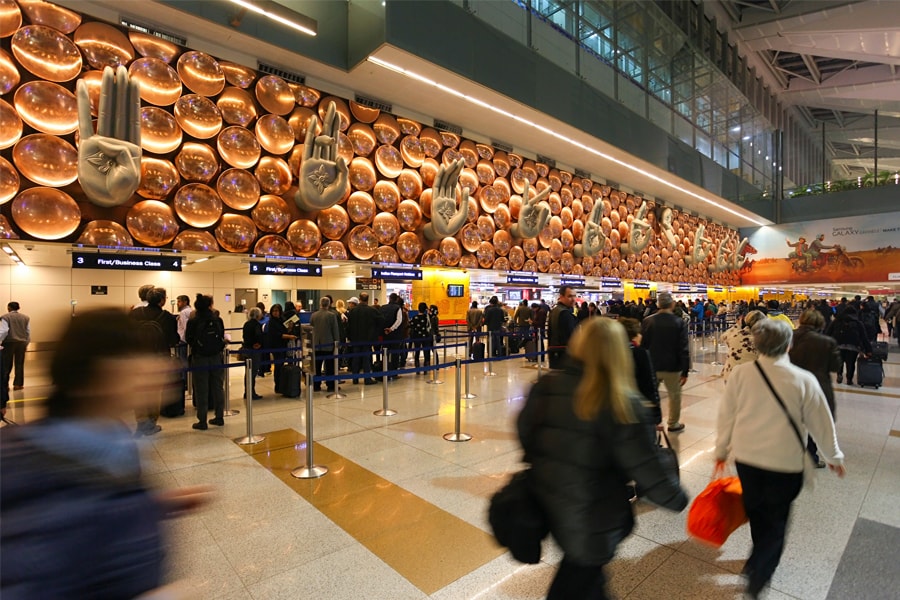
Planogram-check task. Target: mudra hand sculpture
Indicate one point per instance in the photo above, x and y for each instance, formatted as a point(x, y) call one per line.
point(446, 218)
point(109, 161)
point(639, 234)
point(701, 247)
point(324, 176)
point(533, 216)
point(594, 239)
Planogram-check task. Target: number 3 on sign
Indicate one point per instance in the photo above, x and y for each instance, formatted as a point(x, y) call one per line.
point(80, 260)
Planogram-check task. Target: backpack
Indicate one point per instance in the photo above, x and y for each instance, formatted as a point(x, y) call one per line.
point(843, 328)
point(209, 338)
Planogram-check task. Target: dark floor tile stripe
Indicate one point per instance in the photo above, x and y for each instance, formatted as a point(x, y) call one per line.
point(868, 567)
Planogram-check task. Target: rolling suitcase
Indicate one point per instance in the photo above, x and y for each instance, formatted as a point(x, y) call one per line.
point(869, 372)
point(291, 373)
point(531, 348)
point(478, 351)
point(174, 395)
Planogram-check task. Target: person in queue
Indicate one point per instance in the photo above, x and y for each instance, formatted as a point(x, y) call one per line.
point(326, 332)
point(363, 328)
point(422, 335)
point(392, 320)
point(78, 520)
point(474, 321)
point(584, 432)
point(205, 334)
point(252, 339)
point(644, 374)
point(183, 304)
point(762, 437)
point(665, 336)
point(817, 353)
point(739, 341)
point(160, 330)
point(277, 336)
point(494, 318)
point(15, 335)
point(561, 324)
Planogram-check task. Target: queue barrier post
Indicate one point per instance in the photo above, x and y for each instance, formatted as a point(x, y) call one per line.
point(229, 412)
point(336, 394)
point(716, 356)
point(310, 470)
point(692, 349)
point(248, 391)
point(434, 380)
point(384, 411)
point(468, 395)
point(488, 364)
point(457, 436)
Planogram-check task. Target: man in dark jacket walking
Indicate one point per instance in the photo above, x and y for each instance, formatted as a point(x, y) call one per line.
point(560, 327)
point(494, 316)
point(851, 338)
point(665, 336)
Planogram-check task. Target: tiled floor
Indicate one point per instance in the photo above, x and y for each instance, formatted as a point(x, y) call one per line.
point(402, 513)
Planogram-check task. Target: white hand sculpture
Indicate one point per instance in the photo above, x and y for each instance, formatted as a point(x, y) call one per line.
point(533, 216)
point(722, 261)
point(737, 259)
point(699, 251)
point(446, 218)
point(594, 239)
point(109, 162)
point(324, 176)
point(664, 218)
point(639, 234)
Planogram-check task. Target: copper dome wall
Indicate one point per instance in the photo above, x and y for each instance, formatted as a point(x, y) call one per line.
point(221, 155)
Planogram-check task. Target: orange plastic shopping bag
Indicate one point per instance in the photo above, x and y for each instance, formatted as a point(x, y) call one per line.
point(717, 511)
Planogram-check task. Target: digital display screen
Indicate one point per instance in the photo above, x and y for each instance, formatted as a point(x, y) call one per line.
point(455, 290)
point(125, 262)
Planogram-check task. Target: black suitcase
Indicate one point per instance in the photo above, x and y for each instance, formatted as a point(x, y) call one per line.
point(880, 350)
point(478, 351)
point(174, 395)
point(531, 348)
point(869, 372)
point(291, 375)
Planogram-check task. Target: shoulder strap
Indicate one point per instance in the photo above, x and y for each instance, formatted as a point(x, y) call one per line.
point(781, 403)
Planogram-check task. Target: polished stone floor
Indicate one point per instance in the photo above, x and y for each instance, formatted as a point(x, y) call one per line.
point(402, 512)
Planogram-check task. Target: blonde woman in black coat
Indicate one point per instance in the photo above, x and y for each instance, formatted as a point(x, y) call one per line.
point(585, 433)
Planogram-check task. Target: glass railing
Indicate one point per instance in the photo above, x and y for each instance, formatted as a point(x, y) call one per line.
point(864, 181)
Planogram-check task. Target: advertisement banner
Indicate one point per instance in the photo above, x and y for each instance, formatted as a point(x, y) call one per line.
point(850, 249)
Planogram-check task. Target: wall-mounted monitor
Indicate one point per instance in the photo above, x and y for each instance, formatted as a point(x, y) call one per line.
point(455, 290)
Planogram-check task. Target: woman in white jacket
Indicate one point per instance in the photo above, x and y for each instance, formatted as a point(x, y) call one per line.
point(768, 441)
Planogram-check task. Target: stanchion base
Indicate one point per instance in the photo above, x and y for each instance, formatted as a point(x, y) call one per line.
point(336, 395)
point(309, 472)
point(253, 439)
point(231, 413)
point(457, 437)
point(434, 382)
point(490, 374)
point(716, 363)
point(385, 412)
point(469, 396)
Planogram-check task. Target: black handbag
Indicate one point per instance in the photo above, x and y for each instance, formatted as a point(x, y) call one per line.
point(667, 457)
point(517, 519)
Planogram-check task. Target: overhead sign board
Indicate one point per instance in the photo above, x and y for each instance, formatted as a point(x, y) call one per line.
point(285, 268)
point(610, 282)
point(368, 283)
point(572, 280)
point(526, 279)
point(125, 262)
point(396, 274)
point(641, 285)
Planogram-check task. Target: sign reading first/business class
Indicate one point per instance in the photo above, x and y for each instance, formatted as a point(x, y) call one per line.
point(285, 268)
point(125, 262)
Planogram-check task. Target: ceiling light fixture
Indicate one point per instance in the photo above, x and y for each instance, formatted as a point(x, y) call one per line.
point(7, 249)
point(280, 14)
point(200, 260)
point(478, 102)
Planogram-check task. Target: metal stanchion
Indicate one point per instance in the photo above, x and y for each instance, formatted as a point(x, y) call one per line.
point(541, 354)
point(384, 411)
point(248, 390)
point(445, 345)
point(336, 394)
point(229, 412)
point(488, 364)
point(468, 395)
point(456, 436)
point(434, 380)
point(692, 352)
point(540, 362)
point(703, 335)
point(310, 470)
point(716, 357)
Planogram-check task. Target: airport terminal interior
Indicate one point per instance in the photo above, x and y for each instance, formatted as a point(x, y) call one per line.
point(282, 151)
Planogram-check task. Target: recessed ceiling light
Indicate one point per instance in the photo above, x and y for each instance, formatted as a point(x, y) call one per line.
point(200, 260)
